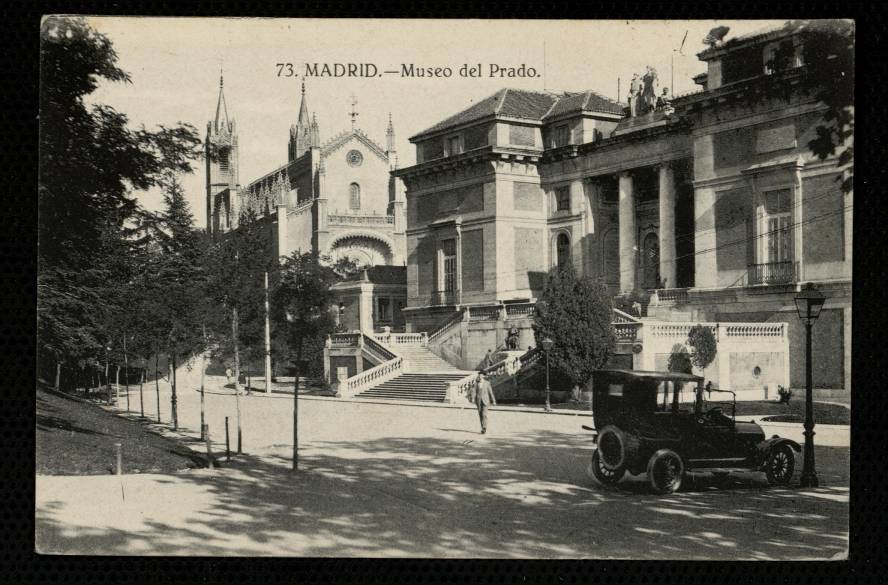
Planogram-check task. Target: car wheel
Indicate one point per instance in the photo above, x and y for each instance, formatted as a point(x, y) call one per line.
point(604, 475)
point(780, 464)
point(665, 471)
point(614, 448)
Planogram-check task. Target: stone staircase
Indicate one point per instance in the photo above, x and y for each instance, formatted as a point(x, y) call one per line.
point(421, 360)
point(425, 377)
point(421, 387)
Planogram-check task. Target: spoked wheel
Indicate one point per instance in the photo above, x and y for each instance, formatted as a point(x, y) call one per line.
point(605, 476)
point(780, 465)
point(665, 471)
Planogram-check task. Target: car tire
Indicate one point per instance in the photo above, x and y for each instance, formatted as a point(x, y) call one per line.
point(603, 475)
point(780, 464)
point(616, 448)
point(665, 471)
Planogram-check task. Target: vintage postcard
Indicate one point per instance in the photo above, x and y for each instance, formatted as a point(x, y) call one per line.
point(445, 288)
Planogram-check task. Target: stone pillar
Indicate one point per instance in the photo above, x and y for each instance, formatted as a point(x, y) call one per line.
point(628, 237)
point(667, 225)
point(282, 230)
point(365, 307)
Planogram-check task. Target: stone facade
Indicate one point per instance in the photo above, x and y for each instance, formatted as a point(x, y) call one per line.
point(711, 206)
point(336, 198)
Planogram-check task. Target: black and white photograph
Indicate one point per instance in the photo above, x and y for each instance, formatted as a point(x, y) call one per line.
point(444, 289)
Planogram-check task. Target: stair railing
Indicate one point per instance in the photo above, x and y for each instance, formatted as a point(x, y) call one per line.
point(372, 377)
point(454, 320)
point(461, 389)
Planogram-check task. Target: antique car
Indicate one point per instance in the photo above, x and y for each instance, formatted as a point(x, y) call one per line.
point(658, 423)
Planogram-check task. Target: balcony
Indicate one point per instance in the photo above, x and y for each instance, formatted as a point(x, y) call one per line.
point(772, 273)
point(445, 297)
point(354, 219)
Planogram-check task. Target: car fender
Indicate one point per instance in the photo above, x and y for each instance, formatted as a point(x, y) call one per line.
point(764, 448)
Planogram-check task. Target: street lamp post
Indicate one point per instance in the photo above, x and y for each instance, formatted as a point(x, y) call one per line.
point(809, 302)
point(547, 344)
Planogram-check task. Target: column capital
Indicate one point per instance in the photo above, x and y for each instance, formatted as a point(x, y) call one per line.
point(624, 174)
point(665, 165)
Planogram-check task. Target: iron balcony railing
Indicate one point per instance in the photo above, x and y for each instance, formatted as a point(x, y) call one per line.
point(773, 273)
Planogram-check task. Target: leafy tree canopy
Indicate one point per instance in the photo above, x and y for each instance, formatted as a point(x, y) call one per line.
point(577, 314)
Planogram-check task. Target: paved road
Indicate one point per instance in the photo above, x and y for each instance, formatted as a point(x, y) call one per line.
point(384, 480)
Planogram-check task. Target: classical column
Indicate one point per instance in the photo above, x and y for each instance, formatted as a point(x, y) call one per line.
point(667, 225)
point(628, 244)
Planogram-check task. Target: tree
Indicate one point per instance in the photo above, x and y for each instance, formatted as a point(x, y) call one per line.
point(237, 264)
point(703, 346)
point(178, 274)
point(302, 300)
point(91, 162)
point(680, 360)
point(828, 50)
point(577, 314)
point(828, 76)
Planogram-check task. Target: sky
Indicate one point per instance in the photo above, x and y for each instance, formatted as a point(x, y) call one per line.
point(175, 66)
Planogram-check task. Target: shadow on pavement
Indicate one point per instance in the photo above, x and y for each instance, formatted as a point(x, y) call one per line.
point(490, 497)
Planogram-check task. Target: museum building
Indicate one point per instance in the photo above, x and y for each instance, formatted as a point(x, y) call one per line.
point(705, 208)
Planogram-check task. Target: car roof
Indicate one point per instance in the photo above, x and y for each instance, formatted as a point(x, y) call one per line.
point(654, 375)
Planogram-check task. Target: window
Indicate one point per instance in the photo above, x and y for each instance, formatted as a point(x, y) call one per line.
point(448, 253)
point(562, 199)
point(223, 160)
point(354, 191)
point(562, 250)
point(779, 56)
point(383, 310)
point(454, 145)
point(562, 135)
point(775, 227)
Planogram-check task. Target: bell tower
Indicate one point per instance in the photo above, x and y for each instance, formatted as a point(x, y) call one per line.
point(303, 132)
point(222, 168)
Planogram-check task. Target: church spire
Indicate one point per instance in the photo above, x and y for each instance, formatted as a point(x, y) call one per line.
point(301, 132)
point(221, 121)
point(303, 110)
point(390, 135)
point(315, 132)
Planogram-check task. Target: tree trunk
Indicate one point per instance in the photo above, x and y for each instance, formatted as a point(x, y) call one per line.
point(142, 396)
point(126, 374)
point(157, 381)
point(203, 371)
point(296, 405)
point(107, 379)
point(117, 385)
point(234, 325)
point(58, 376)
point(173, 399)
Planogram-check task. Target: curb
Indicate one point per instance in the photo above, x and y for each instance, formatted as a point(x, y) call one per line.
point(421, 404)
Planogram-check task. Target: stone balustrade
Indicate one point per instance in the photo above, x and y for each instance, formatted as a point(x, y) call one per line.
point(420, 339)
point(351, 339)
point(448, 325)
point(669, 296)
point(626, 332)
point(519, 310)
point(461, 389)
point(347, 219)
point(372, 377)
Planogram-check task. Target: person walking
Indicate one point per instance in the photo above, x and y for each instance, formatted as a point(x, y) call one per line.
point(483, 398)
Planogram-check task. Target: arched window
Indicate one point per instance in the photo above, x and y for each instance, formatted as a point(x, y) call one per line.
point(354, 191)
point(562, 250)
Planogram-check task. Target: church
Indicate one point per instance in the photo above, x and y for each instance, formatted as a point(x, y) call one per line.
point(335, 197)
